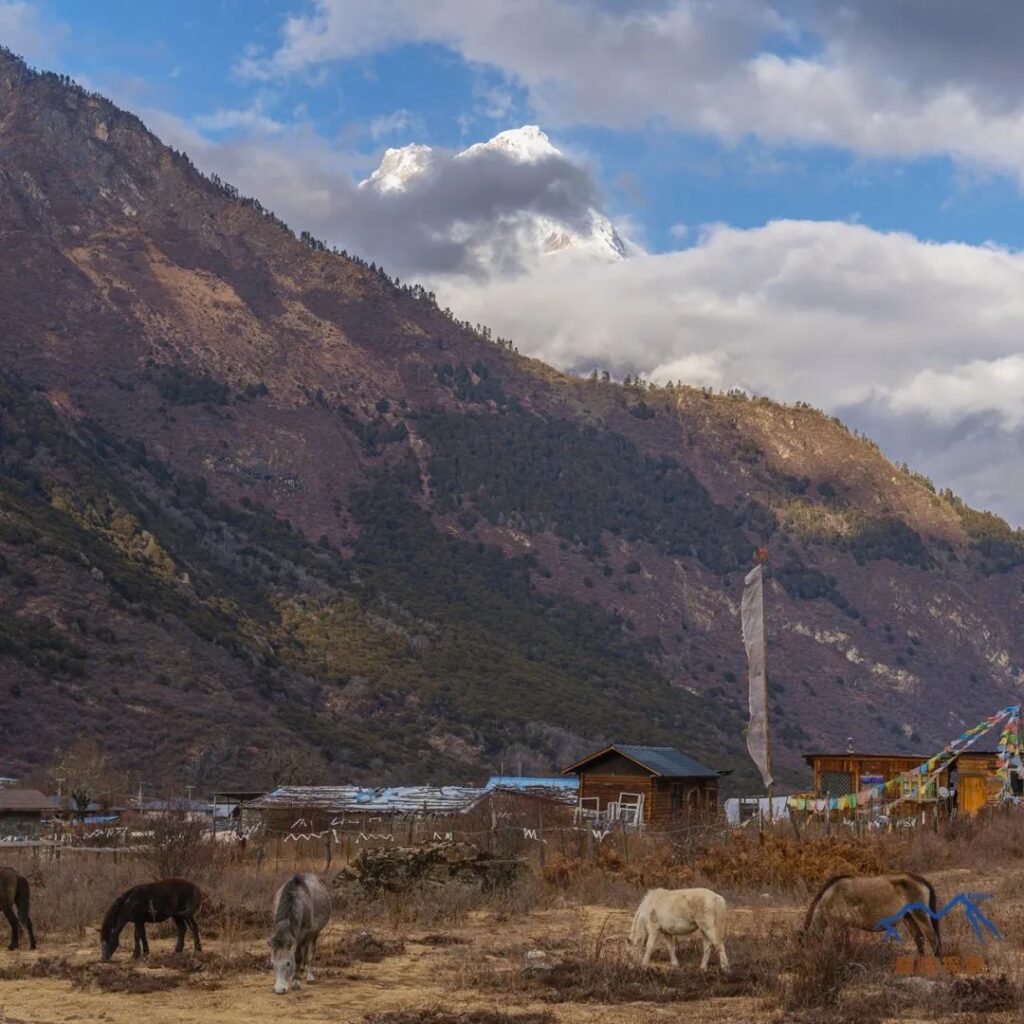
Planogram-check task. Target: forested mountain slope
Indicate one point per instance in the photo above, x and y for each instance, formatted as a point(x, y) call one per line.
point(253, 493)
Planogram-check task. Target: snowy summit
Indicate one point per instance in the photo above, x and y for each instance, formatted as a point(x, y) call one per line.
point(539, 235)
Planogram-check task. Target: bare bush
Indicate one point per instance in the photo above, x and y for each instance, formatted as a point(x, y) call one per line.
point(178, 847)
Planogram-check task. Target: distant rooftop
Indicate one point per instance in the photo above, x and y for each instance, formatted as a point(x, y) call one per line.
point(363, 800)
point(560, 788)
point(531, 782)
point(918, 758)
point(664, 761)
point(24, 800)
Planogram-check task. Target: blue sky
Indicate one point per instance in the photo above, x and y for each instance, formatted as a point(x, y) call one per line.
point(829, 196)
point(183, 58)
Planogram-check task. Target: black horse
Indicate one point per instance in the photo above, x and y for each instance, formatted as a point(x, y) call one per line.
point(14, 906)
point(151, 902)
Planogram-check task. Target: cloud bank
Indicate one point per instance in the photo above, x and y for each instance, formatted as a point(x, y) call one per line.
point(884, 78)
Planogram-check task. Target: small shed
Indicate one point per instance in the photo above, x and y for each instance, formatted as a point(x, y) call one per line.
point(972, 776)
point(644, 785)
point(22, 811)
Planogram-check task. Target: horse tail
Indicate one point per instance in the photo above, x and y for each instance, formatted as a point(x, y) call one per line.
point(639, 927)
point(21, 898)
point(817, 899)
point(932, 900)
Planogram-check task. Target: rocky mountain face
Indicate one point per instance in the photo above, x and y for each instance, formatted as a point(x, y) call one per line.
point(256, 496)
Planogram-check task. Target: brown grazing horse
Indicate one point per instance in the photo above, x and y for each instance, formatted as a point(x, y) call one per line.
point(14, 904)
point(151, 902)
point(861, 901)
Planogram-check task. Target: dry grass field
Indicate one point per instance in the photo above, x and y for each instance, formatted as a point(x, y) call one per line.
point(550, 950)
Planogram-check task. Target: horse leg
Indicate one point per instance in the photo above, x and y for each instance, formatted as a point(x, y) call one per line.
point(137, 951)
point(144, 937)
point(652, 941)
point(927, 927)
point(31, 933)
point(706, 958)
point(196, 944)
point(12, 920)
point(670, 945)
point(915, 931)
point(310, 953)
point(179, 923)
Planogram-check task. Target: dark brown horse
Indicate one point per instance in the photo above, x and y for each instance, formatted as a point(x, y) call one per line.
point(14, 905)
point(152, 902)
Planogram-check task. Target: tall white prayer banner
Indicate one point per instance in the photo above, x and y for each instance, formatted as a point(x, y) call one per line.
point(752, 619)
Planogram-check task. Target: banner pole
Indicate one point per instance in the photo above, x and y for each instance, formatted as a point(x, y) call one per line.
point(762, 558)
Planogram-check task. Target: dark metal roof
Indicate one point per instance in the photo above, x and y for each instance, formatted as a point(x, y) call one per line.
point(663, 761)
point(917, 758)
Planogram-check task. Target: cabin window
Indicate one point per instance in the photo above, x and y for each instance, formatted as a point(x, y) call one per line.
point(833, 783)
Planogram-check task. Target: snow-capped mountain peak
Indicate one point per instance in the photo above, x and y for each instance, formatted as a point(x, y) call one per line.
point(398, 167)
point(526, 144)
point(590, 236)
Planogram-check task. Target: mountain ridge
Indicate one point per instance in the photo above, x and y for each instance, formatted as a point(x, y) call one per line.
point(332, 516)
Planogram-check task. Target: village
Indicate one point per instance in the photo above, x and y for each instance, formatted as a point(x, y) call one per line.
point(642, 789)
point(519, 892)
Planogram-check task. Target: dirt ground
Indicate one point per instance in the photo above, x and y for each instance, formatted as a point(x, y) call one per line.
point(232, 982)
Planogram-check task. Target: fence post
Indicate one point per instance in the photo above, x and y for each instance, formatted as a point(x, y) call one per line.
point(330, 849)
point(540, 834)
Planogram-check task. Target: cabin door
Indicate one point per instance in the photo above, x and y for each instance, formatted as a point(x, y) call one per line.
point(678, 798)
point(972, 793)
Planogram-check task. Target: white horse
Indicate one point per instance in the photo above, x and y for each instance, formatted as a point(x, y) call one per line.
point(302, 907)
point(667, 913)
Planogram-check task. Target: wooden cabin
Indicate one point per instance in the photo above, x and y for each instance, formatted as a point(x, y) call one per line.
point(22, 812)
point(644, 785)
point(972, 774)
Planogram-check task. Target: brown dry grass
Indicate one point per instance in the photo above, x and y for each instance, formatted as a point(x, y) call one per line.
point(777, 860)
point(467, 949)
point(432, 1016)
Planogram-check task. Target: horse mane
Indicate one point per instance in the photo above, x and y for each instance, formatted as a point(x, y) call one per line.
point(287, 912)
point(817, 899)
point(110, 921)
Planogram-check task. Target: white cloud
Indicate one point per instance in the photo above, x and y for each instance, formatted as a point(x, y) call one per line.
point(679, 232)
point(969, 389)
point(711, 68)
point(25, 31)
point(251, 118)
point(398, 122)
